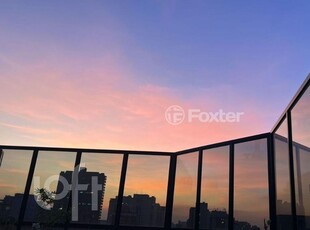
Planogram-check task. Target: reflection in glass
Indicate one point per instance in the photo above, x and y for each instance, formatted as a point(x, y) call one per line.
point(105, 170)
point(49, 194)
point(13, 176)
point(214, 189)
point(283, 192)
point(251, 204)
point(145, 191)
point(302, 183)
point(185, 191)
point(301, 146)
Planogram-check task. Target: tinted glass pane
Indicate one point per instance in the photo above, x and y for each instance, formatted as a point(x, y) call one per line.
point(14, 168)
point(145, 191)
point(283, 205)
point(301, 120)
point(49, 193)
point(101, 173)
point(302, 181)
point(214, 189)
point(301, 138)
point(185, 191)
point(251, 204)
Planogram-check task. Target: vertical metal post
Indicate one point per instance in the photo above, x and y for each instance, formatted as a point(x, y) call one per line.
point(73, 186)
point(198, 191)
point(170, 191)
point(1, 156)
point(121, 191)
point(271, 182)
point(231, 187)
point(27, 189)
point(291, 168)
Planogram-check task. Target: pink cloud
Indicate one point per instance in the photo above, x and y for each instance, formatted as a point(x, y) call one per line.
point(103, 107)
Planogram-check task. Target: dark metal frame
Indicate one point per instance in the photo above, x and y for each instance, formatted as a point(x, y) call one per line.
point(292, 103)
point(287, 114)
point(170, 191)
point(27, 189)
point(121, 191)
point(271, 182)
point(74, 180)
point(231, 186)
point(172, 174)
point(171, 180)
point(291, 168)
point(198, 189)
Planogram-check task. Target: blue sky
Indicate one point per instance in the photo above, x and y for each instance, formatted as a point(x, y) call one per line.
point(235, 54)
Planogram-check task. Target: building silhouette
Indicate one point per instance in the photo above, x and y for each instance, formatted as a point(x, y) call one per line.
point(208, 219)
point(138, 210)
point(85, 206)
point(10, 207)
point(243, 225)
point(204, 216)
point(214, 219)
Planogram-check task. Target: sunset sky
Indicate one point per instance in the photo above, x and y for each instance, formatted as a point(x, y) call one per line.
point(101, 74)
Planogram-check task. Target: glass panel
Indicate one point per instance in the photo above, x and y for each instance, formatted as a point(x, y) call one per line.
point(101, 173)
point(145, 191)
point(251, 204)
point(301, 120)
point(183, 215)
point(301, 139)
point(302, 177)
point(283, 192)
point(214, 189)
point(49, 193)
point(14, 168)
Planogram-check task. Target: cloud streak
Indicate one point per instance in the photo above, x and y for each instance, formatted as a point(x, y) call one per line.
point(102, 106)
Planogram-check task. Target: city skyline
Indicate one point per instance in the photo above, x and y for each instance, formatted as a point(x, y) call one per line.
point(129, 215)
point(250, 150)
point(141, 170)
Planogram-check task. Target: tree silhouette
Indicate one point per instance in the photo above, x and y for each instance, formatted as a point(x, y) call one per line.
point(48, 216)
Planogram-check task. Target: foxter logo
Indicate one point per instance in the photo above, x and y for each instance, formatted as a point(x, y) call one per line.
point(175, 115)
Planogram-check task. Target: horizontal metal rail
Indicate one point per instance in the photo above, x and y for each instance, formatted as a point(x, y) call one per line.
point(292, 103)
point(225, 143)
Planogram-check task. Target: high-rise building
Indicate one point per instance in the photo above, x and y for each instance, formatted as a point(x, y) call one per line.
point(204, 216)
point(218, 220)
point(208, 219)
point(88, 211)
point(139, 210)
